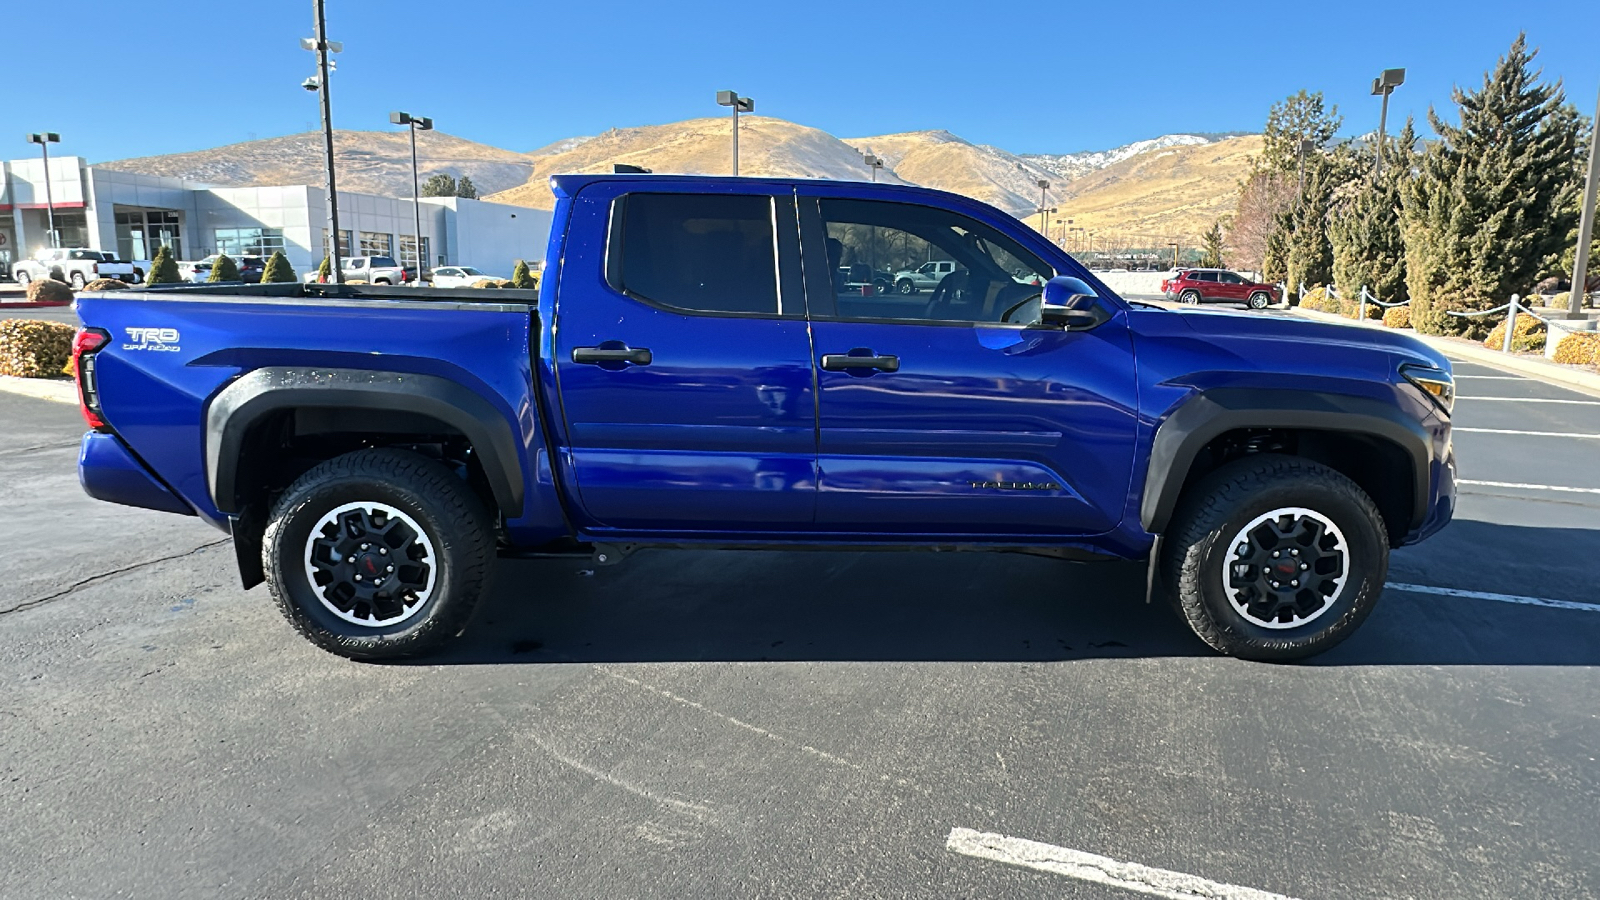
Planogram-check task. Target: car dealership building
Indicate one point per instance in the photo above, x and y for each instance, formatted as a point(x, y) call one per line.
point(132, 215)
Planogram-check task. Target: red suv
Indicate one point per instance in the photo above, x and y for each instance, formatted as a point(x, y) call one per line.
point(1218, 286)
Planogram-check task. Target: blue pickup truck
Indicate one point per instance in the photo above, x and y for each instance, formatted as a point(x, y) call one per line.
point(694, 372)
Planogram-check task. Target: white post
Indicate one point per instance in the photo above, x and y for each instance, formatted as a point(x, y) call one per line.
point(1364, 297)
point(1511, 322)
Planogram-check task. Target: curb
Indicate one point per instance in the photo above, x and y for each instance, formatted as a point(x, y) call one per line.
point(1548, 372)
point(34, 304)
point(59, 390)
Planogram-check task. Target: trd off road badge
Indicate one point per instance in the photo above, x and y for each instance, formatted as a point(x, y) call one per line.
point(158, 339)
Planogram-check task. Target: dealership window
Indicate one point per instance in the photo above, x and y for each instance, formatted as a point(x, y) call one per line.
point(408, 250)
point(376, 244)
point(345, 240)
point(702, 252)
point(237, 242)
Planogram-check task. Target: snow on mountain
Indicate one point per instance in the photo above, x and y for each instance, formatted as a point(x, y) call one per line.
point(1077, 165)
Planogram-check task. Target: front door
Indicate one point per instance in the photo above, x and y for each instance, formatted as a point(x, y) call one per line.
point(941, 415)
point(683, 360)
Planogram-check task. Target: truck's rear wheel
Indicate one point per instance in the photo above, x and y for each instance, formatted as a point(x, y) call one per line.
point(22, 277)
point(378, 554)
point(1275, 558)
point(77, 281)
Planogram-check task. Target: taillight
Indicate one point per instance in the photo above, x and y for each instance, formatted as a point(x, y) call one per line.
point(85, 345)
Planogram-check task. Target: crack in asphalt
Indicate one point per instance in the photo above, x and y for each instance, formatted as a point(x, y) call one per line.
point(93, 579)
point(35, 449)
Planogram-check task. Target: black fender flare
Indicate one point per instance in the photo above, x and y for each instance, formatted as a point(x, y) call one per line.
point(1206, 415)
point(261, 392)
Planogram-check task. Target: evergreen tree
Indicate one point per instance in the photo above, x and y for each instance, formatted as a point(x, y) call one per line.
point(1211, 255)
point(277, 269)
point(163, 269)
point(224, 269)
point(439, 186)
point(1308, 254)
point(1491, 203)
point(465, 188)
point(1365, 230)
point(1303, 116)
point(521, 277)
point(325, 271)
point(1275, 255)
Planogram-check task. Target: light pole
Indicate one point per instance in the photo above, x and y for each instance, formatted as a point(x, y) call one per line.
point(413, 124)
point(874, 163)
point(44, 139)
point(1580, 260)
point(1304, 147)
point(319, 83)
point(1384, 85)
point(1174, 245)
point(739, 104)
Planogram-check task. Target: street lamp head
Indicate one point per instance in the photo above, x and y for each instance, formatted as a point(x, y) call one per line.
point(313, 83)
point(423, 123)
point(732, 98)
point(1042, 184)
point(44, 137)
point(1306, 146)
point(400, 118)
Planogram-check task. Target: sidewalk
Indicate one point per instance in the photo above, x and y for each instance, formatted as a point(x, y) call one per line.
point(61, 390)
point(1580, 377)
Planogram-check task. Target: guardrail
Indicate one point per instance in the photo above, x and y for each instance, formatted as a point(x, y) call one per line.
point(1512, 309)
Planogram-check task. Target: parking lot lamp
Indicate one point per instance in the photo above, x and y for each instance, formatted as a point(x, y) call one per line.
point(1383, 86)
point(44, 139)
point(874, 163)
point(1301, 150)
point(413, 125)
point(739, 104)
point(1580, 260)
point(1174, 246)
point(322, 46)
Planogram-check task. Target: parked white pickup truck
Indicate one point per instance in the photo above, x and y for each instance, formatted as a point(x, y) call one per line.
point(75, 265)
point(925, 277)
point(371, 269)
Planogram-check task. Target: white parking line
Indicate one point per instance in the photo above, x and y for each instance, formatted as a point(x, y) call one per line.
point(1569, 434)
point(1493, 377)
point(1096, 869)
point(1535, 400)
point(1530, 487)
point(1498, 598)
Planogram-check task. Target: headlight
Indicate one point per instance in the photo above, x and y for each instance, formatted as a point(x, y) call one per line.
point(1436, 383)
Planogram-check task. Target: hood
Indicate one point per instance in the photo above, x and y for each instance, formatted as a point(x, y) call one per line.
point(1225, 326)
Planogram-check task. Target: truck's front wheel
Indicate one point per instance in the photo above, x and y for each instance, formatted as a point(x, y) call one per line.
point(1275, 558)
point(378, 554)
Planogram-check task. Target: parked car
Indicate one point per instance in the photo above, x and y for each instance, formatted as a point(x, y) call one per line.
point(1195, 286)
point(75, 265)
point(251, 269)
point(458, 276)
point(1166, 283)
point(371, 269)
point(925, 277)
point(371, 453)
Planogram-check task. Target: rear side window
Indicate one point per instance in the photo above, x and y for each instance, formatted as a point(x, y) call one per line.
point(697, 252)
point(1202, 276)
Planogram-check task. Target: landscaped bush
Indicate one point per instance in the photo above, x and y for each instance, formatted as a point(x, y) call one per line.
point(523, 278)
point(278, 269)
point(223, 269)
point(1581, 349)
point(493, 283)
point(1529, 336)
point(1397, 317)
point(1317, 300)
point(48, 290)
point(30, 348)
point(163, 269)
point(106, 284)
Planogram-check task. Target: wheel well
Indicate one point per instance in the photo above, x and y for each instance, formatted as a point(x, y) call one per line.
point(286, 443)
point(1378, 466)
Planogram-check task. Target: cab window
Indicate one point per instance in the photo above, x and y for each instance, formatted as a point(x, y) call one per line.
point(707, 253)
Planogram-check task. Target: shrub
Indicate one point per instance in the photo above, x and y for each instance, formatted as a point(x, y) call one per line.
point(106, 284)
point(163, 269)
point(325, 271)
point(1580, 349)
point(1560, 300)
point(30, 348)
point(1397, 317)
point(1317, 300)
point(224, 269)
point(493, 283)
point(1528, 337)
point(278, 269)
point(355, 281)
point(48, 290)
point(521, 277)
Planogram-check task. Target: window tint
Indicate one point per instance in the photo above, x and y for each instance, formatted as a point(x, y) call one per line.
point(923, 263)
point(1229, 278)
point(1202, 276)
point(701, 252)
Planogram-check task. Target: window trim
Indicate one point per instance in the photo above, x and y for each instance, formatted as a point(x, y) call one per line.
point(786, 256)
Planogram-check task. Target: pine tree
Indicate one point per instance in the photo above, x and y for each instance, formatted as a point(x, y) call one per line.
point(439, 186)
point(1308, 254)
point(1491, 203)
point(1300, 117)
point(1211, 255)
point(521, 277)
point(1365, 230)
point(278, 269)
point(163, 269)
point(1275, 255)
point(224, 269)
point(465, 188)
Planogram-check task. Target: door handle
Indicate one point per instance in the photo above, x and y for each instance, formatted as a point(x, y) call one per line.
point(639, 356)
point(843, 362)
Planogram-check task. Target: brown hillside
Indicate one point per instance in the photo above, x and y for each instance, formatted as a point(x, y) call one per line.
point(1174, 193)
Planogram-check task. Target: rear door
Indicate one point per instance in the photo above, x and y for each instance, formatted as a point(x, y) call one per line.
point(937, 417)
point(683, 359)
point(1230, 287)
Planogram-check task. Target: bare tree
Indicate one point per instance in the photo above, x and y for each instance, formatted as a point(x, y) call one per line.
point(1262, 197)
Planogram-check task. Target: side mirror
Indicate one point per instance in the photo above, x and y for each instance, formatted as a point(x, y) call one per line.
point(1071, 304)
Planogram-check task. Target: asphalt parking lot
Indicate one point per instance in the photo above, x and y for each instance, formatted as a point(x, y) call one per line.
point(725, 724)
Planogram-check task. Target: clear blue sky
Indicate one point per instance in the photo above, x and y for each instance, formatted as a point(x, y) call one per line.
point(1044, 77)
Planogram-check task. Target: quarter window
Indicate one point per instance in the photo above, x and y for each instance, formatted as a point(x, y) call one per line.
point(905, 261)
point(699, 252)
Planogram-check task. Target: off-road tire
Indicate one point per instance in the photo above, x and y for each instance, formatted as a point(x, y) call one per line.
point(1191, 297)
point(1213, 511)
point(455, 522)
point(1259, 300)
